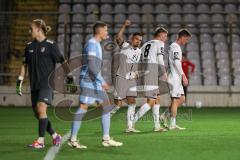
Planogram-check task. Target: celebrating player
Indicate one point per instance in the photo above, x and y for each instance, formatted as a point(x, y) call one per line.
point(125, 73)
point(176, 76)
point(93, 88)
point(152, 57)
point(41, 56)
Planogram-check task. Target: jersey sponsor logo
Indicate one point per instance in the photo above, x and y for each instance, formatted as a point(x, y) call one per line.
point(43, 49)
point(45, 99)
point(30, 51)
point(134, 58)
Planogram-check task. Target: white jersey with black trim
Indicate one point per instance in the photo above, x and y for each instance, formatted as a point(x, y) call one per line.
point(153, 51)
point(133, 54)
point(127, 59)
point(175, 59)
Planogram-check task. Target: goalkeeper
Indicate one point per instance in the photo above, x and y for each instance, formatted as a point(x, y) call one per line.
point(41, 56)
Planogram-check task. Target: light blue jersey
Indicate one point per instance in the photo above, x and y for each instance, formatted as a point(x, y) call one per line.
point(90, 78)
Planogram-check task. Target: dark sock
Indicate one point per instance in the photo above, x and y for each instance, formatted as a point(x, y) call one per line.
point(49, 128)
point(42, 126)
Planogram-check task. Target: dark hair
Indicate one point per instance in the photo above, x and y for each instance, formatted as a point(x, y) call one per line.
point(39, 23)
point(159, 30)
point(184, 33)
point(137, 34)
point(97, 25)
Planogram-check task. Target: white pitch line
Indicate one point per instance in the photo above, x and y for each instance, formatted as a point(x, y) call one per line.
point(53, 151)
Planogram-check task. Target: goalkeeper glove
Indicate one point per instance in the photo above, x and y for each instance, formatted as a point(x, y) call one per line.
point(131, 75)
point(19, 85)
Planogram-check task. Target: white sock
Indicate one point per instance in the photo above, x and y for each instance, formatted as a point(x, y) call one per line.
point(141, 112)
point(173, 121)
point(106, 137)
point(41, 140)
point(155, 111)
point(130, 115)
point(54, 135)
point(73, 138)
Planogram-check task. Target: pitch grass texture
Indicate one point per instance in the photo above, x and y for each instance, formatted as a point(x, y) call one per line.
point(212, 134)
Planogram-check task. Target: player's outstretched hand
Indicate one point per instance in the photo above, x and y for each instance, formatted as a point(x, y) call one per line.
point(185, 80)
point(19, 85)
point(105, 86)
point(70, 83)
point(127, 22)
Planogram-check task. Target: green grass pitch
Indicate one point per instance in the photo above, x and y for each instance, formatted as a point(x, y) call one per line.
point(212, 134)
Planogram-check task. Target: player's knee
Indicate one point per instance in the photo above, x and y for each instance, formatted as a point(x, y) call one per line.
point(41, 110)
point(41, 114)
point(131, 101)
point(182, 100)
point(118, 102)
point(151, 102)
point(83, 106)
point(157, 101)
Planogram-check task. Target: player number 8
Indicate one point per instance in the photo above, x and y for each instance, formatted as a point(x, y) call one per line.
point(147, 48)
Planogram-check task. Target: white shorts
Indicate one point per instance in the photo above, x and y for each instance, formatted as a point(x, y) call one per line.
point(151, 81)
point(175, 87)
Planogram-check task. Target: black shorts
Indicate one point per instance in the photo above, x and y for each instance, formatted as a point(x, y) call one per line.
point(42, 95)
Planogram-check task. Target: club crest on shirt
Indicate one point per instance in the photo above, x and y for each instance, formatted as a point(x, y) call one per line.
point(42, 49)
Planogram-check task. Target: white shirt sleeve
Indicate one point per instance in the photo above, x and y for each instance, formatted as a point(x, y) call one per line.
point(160, 53)
point(177, 61)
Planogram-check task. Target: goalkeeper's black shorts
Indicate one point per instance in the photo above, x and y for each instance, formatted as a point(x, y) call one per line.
point(42, 95)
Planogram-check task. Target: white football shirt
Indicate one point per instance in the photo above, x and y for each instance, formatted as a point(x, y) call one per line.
point(175, 59)
point(153, 51)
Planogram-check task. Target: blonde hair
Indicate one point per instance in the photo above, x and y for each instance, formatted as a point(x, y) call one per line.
point(160, 30)
point(39, 23)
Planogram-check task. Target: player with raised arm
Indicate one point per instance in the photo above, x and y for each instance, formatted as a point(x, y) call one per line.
point(176, 76)
point(93, 88)
point(152, 58)
point(125, 73)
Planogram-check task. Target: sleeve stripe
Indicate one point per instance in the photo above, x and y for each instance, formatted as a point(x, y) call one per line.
point(92, 53)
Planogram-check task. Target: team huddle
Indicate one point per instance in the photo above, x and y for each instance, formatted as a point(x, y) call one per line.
point(135, 66)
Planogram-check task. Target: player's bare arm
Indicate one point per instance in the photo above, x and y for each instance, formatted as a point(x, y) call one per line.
point(119, 37)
